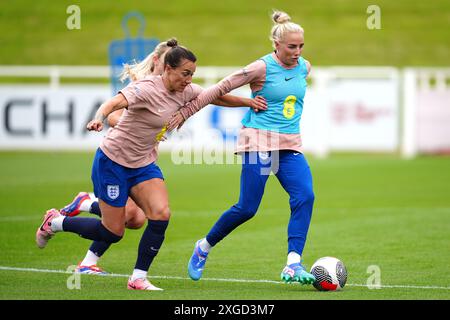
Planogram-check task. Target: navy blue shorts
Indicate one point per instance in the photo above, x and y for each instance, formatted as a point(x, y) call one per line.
point(112, 181)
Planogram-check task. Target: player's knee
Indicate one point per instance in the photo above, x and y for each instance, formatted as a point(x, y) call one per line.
point(135, 217)
point(307, 196)
point(165, 214)
point(247, 211)
point(136, 221)
point(247, 215)
point(160, 213)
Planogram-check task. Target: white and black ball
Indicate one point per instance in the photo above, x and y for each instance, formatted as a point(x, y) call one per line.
point(330, 274)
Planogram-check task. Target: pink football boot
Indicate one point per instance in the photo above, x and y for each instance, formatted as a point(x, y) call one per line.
point(44, 232)
point(141, 284)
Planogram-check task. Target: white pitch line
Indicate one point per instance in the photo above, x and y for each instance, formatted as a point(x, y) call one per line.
point(215, 279)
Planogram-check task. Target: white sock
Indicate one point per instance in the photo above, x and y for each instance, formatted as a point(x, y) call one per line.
point(90, 259)
point(293, 257)
point(56, 224)
point(85, 206)
point(204, 245)
point(137, 274)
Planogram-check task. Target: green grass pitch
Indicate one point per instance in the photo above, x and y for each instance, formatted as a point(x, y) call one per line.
point(370, 210)
point(230, 33)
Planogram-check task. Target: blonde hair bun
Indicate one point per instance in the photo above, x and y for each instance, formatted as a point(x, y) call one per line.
point(280, 17)
point(282, 26)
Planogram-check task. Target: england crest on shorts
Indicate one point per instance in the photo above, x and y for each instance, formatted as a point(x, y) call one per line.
point(263, 155)
point(113, 191)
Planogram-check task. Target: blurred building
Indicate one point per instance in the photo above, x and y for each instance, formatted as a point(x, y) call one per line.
point(356, 109)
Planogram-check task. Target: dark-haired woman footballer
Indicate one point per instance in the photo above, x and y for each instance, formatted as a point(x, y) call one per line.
point(124, 165)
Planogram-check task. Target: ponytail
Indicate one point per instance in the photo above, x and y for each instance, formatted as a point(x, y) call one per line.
point(138, 71)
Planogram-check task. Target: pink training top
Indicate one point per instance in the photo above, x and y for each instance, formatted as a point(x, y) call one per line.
point(133, 142)
point(250, 139)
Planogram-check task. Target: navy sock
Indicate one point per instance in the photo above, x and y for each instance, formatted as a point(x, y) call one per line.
point(95, 209)
point(99, 247)
point(89, 228)
point(150, 243)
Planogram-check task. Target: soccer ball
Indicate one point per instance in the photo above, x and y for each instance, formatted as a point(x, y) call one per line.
point(330, 274)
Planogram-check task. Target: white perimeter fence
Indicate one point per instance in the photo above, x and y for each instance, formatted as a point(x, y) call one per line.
point(357, 109)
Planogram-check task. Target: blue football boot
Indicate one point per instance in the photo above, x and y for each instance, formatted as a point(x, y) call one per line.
point(197, 262)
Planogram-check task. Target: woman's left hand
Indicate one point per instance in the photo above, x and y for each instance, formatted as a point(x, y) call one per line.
point(259, 103)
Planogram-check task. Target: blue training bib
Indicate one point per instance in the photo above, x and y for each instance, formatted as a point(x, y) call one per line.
point(284, 90)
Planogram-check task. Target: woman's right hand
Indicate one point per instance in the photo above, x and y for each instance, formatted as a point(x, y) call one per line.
point(95, 125)
point(118, 102)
